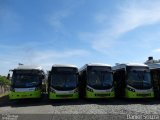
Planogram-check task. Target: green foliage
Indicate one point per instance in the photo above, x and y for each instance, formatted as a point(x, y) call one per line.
point(4, 81)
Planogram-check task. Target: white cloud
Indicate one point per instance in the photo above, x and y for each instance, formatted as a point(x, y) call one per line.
point(135, 15)
point(27, 54)
point(50, 57)
point(156, 50)
point(131, 15)
point(56, 19)
point(57, 55)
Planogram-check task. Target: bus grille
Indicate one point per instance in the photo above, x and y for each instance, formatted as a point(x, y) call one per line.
point(69, 95)
point(102, 95)
point(144, 95)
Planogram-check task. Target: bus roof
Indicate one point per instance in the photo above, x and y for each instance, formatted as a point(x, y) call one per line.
point(98, 64)
point(64, 65)
point(28, 67)
point(94, 64)
point(124, 65)
point(154, 65)
point(136, 64)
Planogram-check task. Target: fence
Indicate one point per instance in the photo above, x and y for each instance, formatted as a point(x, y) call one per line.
point(4, 89)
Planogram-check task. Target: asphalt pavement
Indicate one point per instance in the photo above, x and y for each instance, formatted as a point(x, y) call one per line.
point(45, 109)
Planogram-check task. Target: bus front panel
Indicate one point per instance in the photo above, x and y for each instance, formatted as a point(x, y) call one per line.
point(99, 82)
point(133, 93)
point(138, 83)
point(54, 94)
point(26, 84)
point(25, 94)
point(63, 83)
point(92, 93)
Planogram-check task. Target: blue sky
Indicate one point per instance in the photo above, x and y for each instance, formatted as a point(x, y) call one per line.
point(47, 32)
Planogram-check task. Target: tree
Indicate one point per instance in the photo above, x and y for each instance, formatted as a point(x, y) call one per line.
point(4, 81)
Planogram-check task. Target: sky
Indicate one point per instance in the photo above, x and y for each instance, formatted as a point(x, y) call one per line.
point(47, 32)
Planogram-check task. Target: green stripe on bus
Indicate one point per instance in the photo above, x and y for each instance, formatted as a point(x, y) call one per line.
point(99, 95)
point(22, 95)
point(63, 96)
point(131, 94)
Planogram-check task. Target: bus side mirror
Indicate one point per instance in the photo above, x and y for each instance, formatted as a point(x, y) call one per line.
point(8, 76)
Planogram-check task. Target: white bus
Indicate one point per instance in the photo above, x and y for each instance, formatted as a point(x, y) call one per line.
point(132, 80)
point(63, 82)
point(96, 81)
point(155, 75)
point(26, 82)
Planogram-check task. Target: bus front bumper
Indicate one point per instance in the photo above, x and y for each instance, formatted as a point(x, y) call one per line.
point(100, 95)
point(23, 95)
point(130, 94)
point(63, 96)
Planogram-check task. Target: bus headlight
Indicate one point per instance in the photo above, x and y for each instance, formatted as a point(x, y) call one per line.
point(112, 89)
point(12, 89)
point(76, 90)
point(52, 90)
point(37, 88)
point(89, 89)
point(130, 89)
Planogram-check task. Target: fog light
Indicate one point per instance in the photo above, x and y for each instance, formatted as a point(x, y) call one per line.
point(52, 90)
point(89, 89)
point(76, 90)
point(130, 89)
point(37, 88)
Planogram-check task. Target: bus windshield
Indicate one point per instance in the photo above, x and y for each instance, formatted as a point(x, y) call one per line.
point(25, 80)
point(139, 79)
point(100, 79)
point(64, 81)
